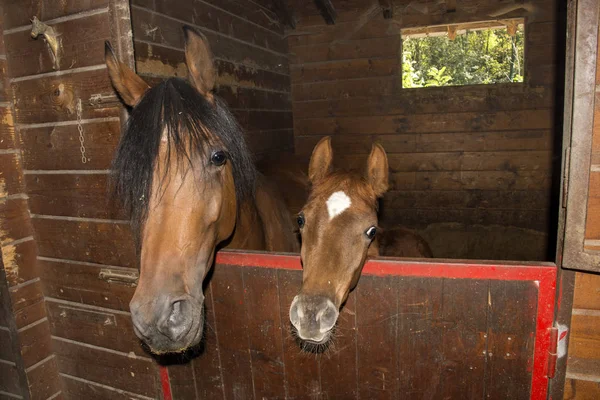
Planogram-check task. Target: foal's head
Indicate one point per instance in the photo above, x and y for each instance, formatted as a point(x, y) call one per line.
point(182, 169)
point(338, 226)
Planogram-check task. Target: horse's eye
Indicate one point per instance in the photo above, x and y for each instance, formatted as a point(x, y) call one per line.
point(300, 220)
point(371, 232)
point(218, 158)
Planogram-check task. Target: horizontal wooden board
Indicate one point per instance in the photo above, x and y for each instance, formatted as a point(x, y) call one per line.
point(112, 369)
point(82, 41)
point(346, 97)
point(98, 242)
point(27, 303)
point(345, 69)
point(239, 97)
point(421, 218)
point(9, 378)
point(44, 380)
point(585, 337)
point(262, 142)
point(54, 98)
point(202, 15)
point(471, 180)
point(35, 343)
point(587, 291)
point(76, 388)
point(426, 123)
point(14, 222)
point(73, 195)
point(19, 262)
point(81, 283)
point(5, 93)
point(6, 346)
point(581, 390)
point(58, 147)
point(592, 225)
point(318, 34)
point(347, 49)
point(99, 327)
point(260, 120)
point(11, 178)
point(18, 13)
point(468, 199)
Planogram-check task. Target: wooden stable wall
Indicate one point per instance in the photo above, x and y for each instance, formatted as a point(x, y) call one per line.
point(471, 166)
point(251, 59)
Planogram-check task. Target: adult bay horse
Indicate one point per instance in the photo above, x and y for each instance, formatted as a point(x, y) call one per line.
point(185, 175)
point(339, 229)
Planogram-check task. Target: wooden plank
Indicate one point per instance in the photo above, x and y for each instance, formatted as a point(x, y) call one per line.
point(512, 319)
point(76, 388)
point(20, 262)
point(338, 366)
point(82, 42)
point(478, 199)
point(348, 49)
point(318, 34)
point(421, 218)
point(425, 123)
point(262, 142)
point(585, 337)
point(54, 98)
point(420, 337)
point(99, 327)
point(183, 381)
point(58, 147)
point(15, 222)
point(28, 304)
point(6, 346)
point(35, 343)
point(112, 369)
point(208, 368)
point(9, 379)
point(7, 130)
point(232, 326)
point(464, 337)
point(11, 179)
point(265, 341)
point(592, 225)
point(44, 380)
point(73, 195)
point(238, 97)
point(263, 120)
point(581, 390)
point(302, 375)
point(587, 291)
point(377, 322)
point(19, 14)
point(322, 99)
point(251, 76)
point(344, 69)
point(98, 242)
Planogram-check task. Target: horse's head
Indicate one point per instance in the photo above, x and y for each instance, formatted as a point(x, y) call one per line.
point(338, 225)
point(182, 169)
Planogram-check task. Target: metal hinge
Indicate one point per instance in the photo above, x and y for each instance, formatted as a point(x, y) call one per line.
point(552, 353)
point(565, 187)
point(123, 278)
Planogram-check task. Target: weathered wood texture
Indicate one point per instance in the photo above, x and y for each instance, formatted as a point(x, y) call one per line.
point(397, 336)
point(27, 359)
point(492, 142)
point(251, 60)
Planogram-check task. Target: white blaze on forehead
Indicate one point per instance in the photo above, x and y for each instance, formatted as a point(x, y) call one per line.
point(337, 203)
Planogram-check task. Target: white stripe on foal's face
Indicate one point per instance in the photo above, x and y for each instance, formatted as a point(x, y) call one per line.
point(337, 203)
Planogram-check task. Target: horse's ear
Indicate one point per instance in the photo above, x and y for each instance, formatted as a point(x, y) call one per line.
point(321, 160)
point(378, 170)
point(199, 60)
point(127, 83)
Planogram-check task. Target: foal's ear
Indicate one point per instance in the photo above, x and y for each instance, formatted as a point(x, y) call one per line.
point(378, 170)
point(321, 160)
point(127, 83)
point(199, 60)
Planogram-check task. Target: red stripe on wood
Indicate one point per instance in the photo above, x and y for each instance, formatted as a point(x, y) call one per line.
point(165, 383)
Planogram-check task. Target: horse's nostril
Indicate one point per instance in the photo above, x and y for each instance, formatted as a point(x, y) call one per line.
point(179, 320)
point(327, 317)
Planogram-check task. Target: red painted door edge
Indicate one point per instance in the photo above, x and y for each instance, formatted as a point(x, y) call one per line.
point(165, 383)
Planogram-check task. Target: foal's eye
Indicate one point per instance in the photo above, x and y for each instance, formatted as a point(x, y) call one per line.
point(300, 220)
point(218, 158)
point(371, 232)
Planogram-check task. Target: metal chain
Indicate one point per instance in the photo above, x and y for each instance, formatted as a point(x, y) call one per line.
point(80, 129)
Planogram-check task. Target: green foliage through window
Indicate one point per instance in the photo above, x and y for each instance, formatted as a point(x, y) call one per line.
point(477, 57)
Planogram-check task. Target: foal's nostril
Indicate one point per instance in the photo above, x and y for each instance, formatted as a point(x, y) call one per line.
point(179, 320)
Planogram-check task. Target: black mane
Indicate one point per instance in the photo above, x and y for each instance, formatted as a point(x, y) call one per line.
point(193, 126)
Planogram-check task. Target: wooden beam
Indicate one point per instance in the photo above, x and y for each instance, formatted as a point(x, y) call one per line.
point(327, 11)
point(388, 8)
point(450, 6)
point(285, 13)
